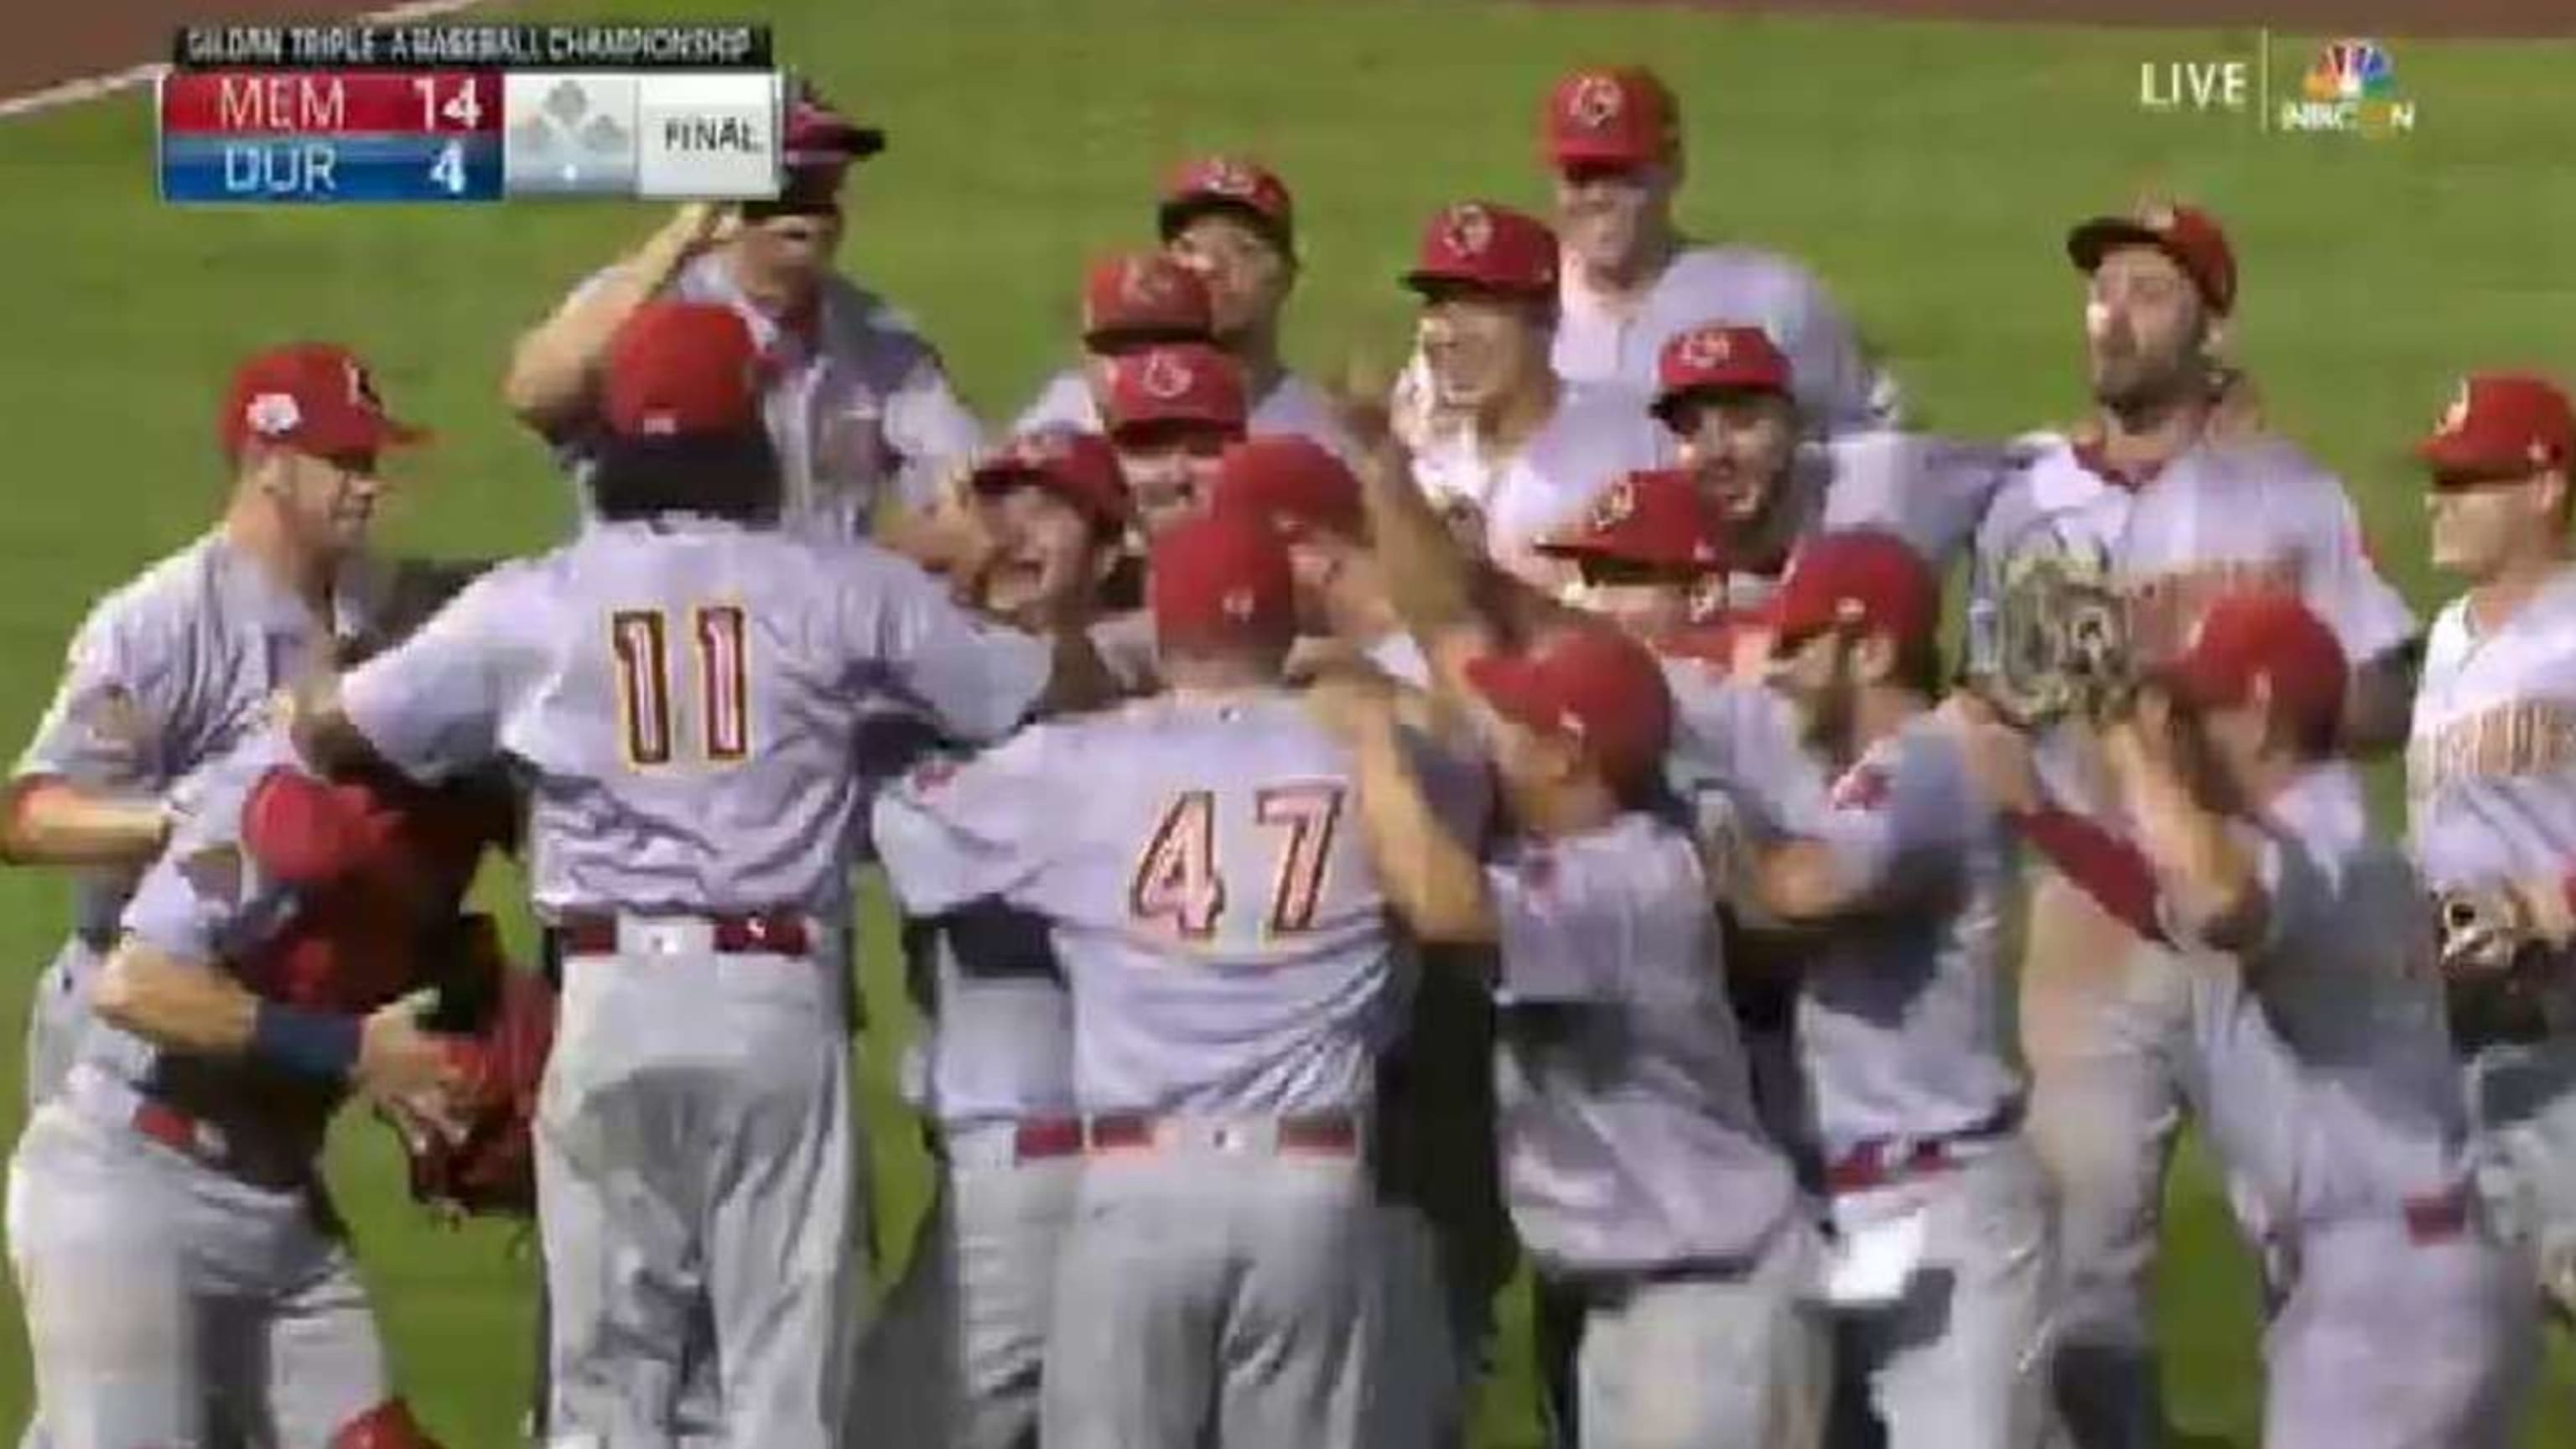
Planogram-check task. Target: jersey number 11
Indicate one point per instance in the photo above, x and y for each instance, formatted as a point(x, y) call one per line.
point(641, 640)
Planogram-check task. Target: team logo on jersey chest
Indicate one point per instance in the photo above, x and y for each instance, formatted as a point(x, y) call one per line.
point(2508, 741)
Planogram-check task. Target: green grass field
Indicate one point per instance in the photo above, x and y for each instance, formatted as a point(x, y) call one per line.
point(1927, 171)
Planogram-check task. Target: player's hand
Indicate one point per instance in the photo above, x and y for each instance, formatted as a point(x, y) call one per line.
point(410, 1073)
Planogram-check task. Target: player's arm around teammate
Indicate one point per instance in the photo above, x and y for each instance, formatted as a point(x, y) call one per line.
point(168, 1200)
point(2319, 1056)
point(1636, 1171)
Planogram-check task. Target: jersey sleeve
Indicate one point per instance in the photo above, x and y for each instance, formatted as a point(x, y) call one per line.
point(2344, 587)
point(1889, 816)
point(928, 426)
point(953, 831)
point(432, 706)
point(110, 716)
point(1931, 492)
point(207, 897)
point(976, 680)
point(1553, 923)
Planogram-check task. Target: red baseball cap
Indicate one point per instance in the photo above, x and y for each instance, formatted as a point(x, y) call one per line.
point(2188, 235)
point(1715, 357)
point(1179, 382)
point(1078, 467)
point(1218, 580)
point(2263, 634)
point(1478, 245)
point(1287, 478)
point(682, 369)
point(1655, 517)
point(815, 134)
point(1229, 183)
point(1620, 116)
point(1143, 297)
point(314, 397)
point(1591, 683)
point(1860, 579)
point(2501, 425)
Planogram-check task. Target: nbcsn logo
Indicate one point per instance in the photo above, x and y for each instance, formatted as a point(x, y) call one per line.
point(2351, 87)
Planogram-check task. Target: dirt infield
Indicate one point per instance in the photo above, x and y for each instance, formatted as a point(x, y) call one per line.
point(54, 43)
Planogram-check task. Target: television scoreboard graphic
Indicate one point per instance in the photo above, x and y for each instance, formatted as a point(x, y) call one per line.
point(465, 113)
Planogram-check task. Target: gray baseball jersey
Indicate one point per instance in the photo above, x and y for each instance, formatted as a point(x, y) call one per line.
point(2491, 765)
point(165, 673)
point(2330, 1085)
point(1629, 1141)
point(2223, 517)
point(1595, 437)
point(684, 695)
point(1902, 1014)
point(1293, 406)
point(1836, 385)
point(859, 406)
point(1736, 753)
point(1227, 948)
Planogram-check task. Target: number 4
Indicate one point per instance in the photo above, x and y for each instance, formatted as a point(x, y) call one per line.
point(1177, 883)
point(449, 169)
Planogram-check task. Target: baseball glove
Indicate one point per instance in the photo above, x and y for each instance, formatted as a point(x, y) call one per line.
point(488, 1166)
point(2493, 970)
point(2061, 640)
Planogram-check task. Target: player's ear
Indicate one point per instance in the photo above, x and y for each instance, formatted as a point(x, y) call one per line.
point(2554, 495)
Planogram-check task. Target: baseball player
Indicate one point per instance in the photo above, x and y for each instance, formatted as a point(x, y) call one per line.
point(2317, 1055)
point(2182, 504)
point(1631, 281)
point(1944, 1243)
point(184, 1276)
point(1727, 394)
point(2489, 804)
point(1448, 1235)
point(1528, 451)
point(1637, 1172)
point(857, 405)
point(1129, 302)
point(1171, 411)
point(1233, 982)
point(178, 664)
point(954, 1361)
point(681, 687)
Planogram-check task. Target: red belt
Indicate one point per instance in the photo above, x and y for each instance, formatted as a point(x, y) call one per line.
point(770, 933)
point(2440, 1217)
point(1337, 1134)
point(1035, 1139)
point(173, 1129)
point(1881, 1161)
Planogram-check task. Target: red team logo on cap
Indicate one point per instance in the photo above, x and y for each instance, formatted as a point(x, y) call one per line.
point(1166, 378)
point(1143, 285)
point(2456, 416)
point(273, 415)
point(1225, 177)
point(1468, 230)
point(1595, 101)
point(1707, 348)
point(1614, 507)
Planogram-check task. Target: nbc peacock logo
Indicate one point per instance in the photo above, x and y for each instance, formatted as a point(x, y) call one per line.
point(2351, 86)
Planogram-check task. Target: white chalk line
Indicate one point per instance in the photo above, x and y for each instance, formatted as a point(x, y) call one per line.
point(90, 88)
